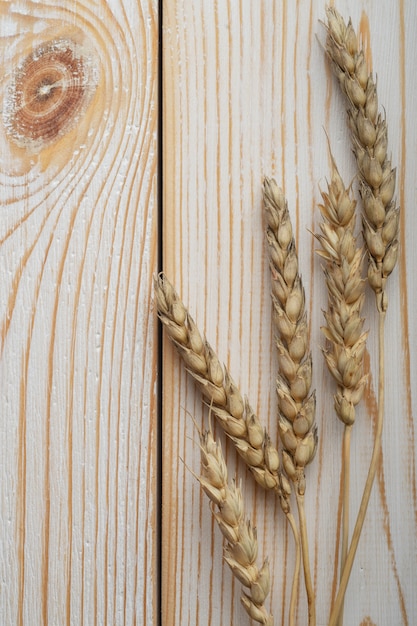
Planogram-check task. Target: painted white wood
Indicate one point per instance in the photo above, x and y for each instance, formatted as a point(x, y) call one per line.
point(78, 496)
point(247, 92)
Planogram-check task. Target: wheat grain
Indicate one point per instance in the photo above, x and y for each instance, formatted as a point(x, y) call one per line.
point(370, 139)
point(232, 411)
point(241, 548)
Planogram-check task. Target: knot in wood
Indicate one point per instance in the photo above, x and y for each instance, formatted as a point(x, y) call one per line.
point(50, 90)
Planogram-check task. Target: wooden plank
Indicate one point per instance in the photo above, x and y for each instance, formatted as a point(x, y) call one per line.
point(247, 93)
point(78, 236)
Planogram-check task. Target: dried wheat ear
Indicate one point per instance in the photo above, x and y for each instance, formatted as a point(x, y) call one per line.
point(297, 427)
point(232, 411)
point(370, 140)
point(241, 548)
point(296, 403)
point(346, 340)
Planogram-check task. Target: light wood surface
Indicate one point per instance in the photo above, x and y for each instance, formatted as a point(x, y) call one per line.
point(78, 495)
point(247, 92)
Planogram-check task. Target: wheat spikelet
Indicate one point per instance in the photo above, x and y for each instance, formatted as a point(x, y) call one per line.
point(232, 411)
point(297, 427)
point(343, 272)
point(241, 549)
point(369, 138)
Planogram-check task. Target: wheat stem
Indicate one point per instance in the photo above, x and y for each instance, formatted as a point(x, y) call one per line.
point(296, 575)
point(306, 559)
point(346, 499)
point(376, 452)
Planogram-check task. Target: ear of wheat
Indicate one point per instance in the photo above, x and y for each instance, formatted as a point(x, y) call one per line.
point(346, 340)
point(232, 411)
point(296, 420)
point(370, 142)
point(241, 547)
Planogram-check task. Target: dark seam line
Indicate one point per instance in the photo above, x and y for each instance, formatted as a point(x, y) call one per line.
point(159, 331)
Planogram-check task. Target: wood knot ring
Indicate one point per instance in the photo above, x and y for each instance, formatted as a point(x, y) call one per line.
point(49, 91)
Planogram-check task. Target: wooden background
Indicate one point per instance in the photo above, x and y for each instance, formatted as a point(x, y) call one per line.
point(245, 92)
point(78, 334)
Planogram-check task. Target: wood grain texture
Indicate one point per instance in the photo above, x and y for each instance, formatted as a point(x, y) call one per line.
point(78, 237)
point(246, 93)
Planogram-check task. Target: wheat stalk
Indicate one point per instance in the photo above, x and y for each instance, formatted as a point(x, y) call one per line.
point(380, 220)
point(346, 340)
point(241, 548)
point(232, 411)
point(296, 421)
